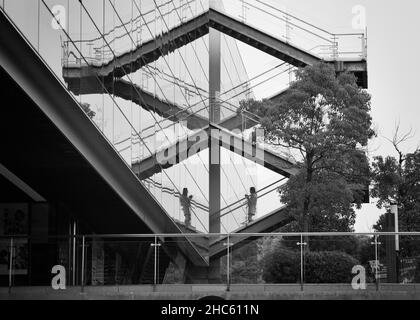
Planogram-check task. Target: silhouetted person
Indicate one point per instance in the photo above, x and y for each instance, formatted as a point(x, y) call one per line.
point(254, 138)
point(185, 200)
point(251, 203)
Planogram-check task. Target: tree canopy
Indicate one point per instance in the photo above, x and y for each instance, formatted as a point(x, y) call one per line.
point(397, 180)
point(324, 121)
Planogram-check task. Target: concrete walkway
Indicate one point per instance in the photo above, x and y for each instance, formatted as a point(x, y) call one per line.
point(193, 292)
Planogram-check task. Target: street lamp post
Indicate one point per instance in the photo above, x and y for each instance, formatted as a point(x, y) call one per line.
point(394, 211)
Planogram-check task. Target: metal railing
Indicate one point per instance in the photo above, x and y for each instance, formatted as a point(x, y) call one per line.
point(294, 30)
point(245, 258)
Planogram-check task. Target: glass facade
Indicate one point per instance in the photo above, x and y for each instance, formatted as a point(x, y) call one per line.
point(141, 72)
point(350, 261)
point(147, 83)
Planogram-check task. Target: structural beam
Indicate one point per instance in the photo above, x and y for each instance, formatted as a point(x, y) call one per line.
point(214, 146)
point(268, 223)
point(195, 28)
point(189, 146)
point(148, 52)
point(131, 92)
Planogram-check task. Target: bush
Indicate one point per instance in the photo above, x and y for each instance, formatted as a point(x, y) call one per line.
point(329, 267)
point(283, 266)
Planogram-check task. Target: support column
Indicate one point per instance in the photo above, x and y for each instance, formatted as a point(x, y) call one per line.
point(391, 261)
point(214, 148)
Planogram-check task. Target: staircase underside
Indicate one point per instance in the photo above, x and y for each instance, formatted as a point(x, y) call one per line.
point(199, 141)
point(268, 223)
point(193, 29)
point(83, 78)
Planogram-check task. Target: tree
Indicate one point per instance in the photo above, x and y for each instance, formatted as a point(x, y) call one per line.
point(397, 180)
point(324, 121)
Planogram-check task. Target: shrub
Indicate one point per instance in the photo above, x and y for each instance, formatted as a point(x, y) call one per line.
point(329, 267)
point(283, 266)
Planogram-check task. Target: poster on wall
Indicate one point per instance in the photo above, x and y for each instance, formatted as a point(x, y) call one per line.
point(14, 221)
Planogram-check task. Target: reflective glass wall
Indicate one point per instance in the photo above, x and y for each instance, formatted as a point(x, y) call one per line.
point(140, 71)
point(336, 261)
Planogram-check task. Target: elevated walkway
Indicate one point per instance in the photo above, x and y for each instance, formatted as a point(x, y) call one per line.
point(148, 52)
point(199, 141)
point(134, 93)
point(79, 75)
point(267, 223)
point(193, 29)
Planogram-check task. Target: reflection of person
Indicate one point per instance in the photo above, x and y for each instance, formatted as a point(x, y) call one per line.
point(185, 200)
point(251, 203)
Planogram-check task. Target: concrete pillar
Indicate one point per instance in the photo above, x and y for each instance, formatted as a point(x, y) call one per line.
point(391, 261)
point(214, 162)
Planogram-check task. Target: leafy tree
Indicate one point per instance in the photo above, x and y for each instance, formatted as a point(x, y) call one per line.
point(245, 263)
point(397, 180)
point(324, 121)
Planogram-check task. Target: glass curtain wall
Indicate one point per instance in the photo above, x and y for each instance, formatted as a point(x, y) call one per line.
point(141, 88)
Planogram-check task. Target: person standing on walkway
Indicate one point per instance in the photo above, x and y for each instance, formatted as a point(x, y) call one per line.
point(251, 204)
point(185, 200)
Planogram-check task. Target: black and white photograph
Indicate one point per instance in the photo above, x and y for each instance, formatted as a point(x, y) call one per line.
point(232, 151)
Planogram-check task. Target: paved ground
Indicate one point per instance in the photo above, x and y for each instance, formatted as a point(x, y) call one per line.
point(192, 292)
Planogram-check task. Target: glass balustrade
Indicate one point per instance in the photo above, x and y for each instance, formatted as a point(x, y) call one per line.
point(348, 261)
point(238, 215)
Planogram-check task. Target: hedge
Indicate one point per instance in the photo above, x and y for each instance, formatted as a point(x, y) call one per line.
point(283, 266)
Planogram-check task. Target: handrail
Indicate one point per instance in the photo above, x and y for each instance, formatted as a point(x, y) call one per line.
point(292, 24)
point(134, 21)
point(242, 199)
point(329, 37)
point(177, 194)
point(208, 234)
point(240, 206)
point(305, 22)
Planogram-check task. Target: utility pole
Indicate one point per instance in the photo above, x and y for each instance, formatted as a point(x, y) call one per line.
point(394, 211)
point(214, 148)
